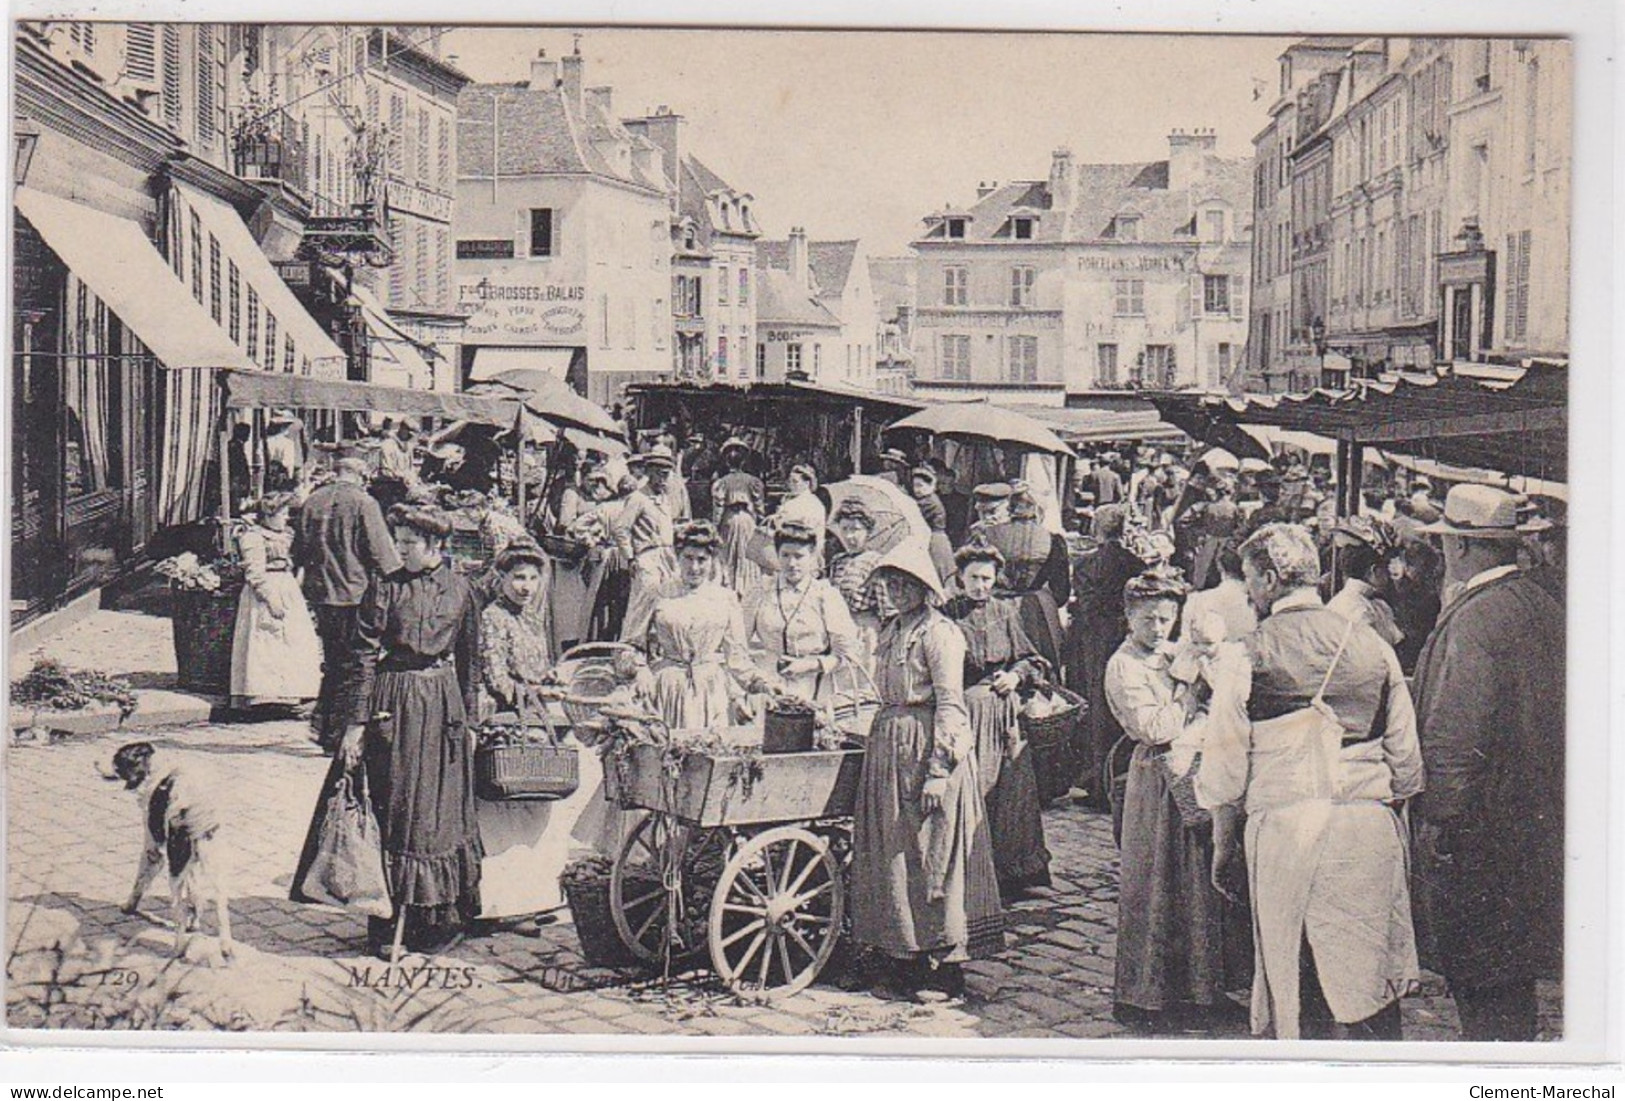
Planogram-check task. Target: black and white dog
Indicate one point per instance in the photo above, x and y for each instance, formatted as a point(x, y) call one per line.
point(182, 828)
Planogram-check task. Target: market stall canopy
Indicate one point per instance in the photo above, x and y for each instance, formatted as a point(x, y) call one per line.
point(1519, 426)
point(1217, 459)
point(490, 363)
point(114, 258)
point(981, 421)
point(263, 389)
point(1444, 472)
point(1090, 421)
point(551, 398)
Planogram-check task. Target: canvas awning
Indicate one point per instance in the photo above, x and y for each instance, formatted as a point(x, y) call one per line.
point(315, 353)
point(116, 260)
point(1519, 426)
point(1089, 424)
point(260, 389)
point(491, 362)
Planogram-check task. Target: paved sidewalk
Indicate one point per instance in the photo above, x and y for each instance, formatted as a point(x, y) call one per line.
point(75, 961)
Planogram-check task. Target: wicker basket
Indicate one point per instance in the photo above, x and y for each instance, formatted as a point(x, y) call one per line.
point(203, 625)
point(588, 674)
point(1053, 742)
point(530, 770)
point(586, 889)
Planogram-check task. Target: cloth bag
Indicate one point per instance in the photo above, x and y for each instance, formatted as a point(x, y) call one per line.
point(348, 869)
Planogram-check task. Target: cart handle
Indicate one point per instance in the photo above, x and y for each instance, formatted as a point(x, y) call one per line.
point(595, 649)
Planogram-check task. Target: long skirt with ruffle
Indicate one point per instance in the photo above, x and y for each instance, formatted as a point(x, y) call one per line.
point(921, 883)
point(420, 772)
point(736, 569)
point(1009, 790)
point(1170, 919)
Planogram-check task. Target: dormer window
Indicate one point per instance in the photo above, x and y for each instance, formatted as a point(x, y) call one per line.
point(1213, 225)
point(956, 228)
point(1022, 229)
point(691, 239)
point(1126, 227)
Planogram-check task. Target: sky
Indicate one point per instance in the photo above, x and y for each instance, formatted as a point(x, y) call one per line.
point(856, 134)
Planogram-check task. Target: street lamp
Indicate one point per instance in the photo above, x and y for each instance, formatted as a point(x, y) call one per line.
point(25, 132)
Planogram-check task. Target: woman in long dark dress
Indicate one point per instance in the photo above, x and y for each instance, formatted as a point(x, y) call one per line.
point(1037, 570)
point(1000, 658)
point(417, 647)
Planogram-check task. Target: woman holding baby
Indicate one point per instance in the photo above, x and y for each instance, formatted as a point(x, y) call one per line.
point(1171, 925)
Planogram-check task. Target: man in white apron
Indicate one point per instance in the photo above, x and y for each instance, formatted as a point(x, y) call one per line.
point(1313, 735)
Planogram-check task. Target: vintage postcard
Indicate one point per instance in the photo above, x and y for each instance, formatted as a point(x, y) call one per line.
point(548, 533)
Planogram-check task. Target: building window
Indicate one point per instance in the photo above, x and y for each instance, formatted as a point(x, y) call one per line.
point(723, 277)
point(761, 360)
point(1126, 227)
point(792, 359)
point(955, 286)
point(1130, 297)
point(956, 358)
point(818, 360)
point(1215, 294)
point(1226, 358)
point(722, 355)
point(631, 323)
point(1021, 286)
point(1159, 365)
point(744, 286)
point(207, 79)
point(1023, 228)
point(956, 228)
point(1518, 286)
point(1021, 358)
point(234, 321)
point(1481, 65)
point(1531, 116)
point(197, 257)
point(603, 313)
point(423, 148)
point(1213, 225)
point(214, 278)
point(541, 231)
point(251, 335)
point(397, 133)
point(287, 354)
point(658, 322)
point(1106, 364)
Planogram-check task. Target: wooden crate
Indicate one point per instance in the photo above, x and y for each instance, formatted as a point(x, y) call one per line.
point(737, 791)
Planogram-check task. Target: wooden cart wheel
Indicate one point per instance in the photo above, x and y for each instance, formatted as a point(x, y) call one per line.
point(776, 914)
point(637, 885)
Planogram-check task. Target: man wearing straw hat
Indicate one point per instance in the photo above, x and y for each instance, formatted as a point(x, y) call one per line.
point(1489, 699)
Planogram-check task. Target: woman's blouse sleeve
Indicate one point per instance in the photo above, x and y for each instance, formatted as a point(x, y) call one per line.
point(944, 650)
point(842, 631)
point(468, 650)
point(251, 545)
point(496, 651)
point(735, 646)
point(372, 621)
point(1147, 714)
point(1221, 777)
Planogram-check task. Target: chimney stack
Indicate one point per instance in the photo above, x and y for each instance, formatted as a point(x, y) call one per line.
point(544, 73)
point(1187, 157)
point(665, 130)
point(573, 64)
point(1062, 181)
point(800, 271)
point(986, 188)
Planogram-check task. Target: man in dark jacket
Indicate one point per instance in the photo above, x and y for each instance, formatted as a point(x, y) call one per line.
point(1097, 629)
point(1489, 700)
point(340, 542)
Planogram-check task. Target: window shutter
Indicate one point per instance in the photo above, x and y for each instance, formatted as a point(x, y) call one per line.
point(1238, 299)
point(141, 53)
point(521, 233)
point(172, 75)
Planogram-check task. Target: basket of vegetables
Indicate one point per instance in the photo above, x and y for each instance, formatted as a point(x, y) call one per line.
point(520, 761)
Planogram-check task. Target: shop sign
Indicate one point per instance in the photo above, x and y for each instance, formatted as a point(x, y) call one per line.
point(412, 199)
point(498, 249)
point(782, 336)
point(1113, 261)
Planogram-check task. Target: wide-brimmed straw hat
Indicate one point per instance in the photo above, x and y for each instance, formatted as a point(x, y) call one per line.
point(1481, 512)
point(735, 443)
point(912, 558)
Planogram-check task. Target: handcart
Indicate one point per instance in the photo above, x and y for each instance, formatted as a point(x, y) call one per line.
point(741, 855)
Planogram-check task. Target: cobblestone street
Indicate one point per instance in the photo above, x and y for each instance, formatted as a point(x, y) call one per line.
point(76, 961)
